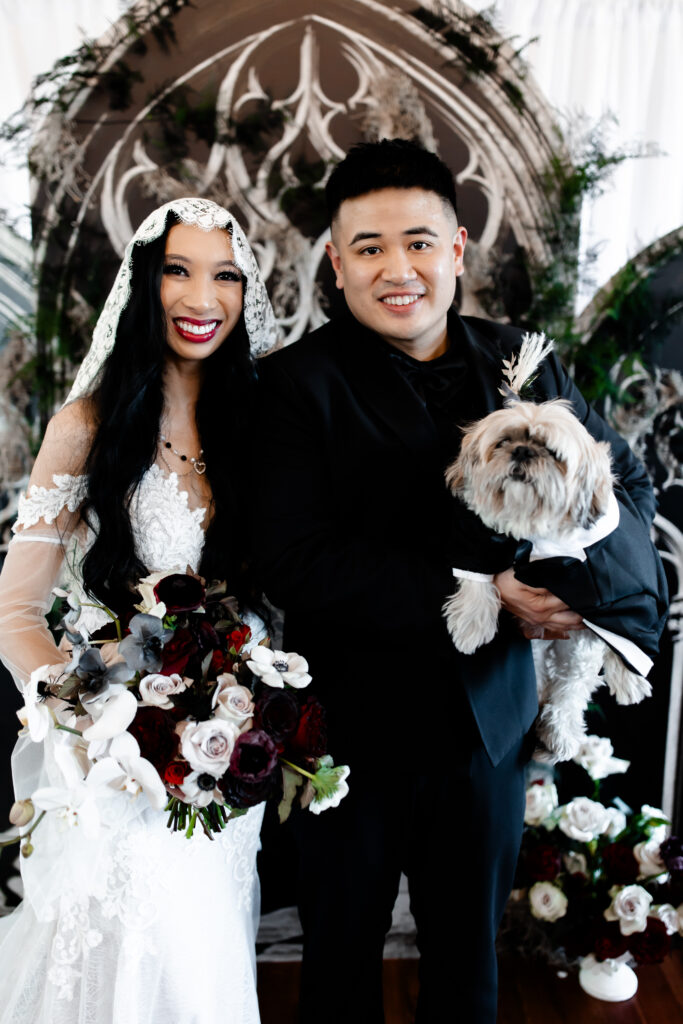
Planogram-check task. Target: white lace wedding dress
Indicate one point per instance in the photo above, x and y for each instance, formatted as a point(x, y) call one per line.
point(141, 925)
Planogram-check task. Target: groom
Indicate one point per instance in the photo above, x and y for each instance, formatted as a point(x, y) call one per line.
point(357, 536)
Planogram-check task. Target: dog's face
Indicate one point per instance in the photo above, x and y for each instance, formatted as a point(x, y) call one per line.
point(532, 470)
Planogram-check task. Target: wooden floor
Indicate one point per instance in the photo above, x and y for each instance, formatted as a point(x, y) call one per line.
point(529, 994)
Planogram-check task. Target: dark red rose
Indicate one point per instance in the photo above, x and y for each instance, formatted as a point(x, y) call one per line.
point(155, 732)
point(254, 774)
point(277, 713)
point(310, 738)
point(619, 863)
point(543, 862)
point(177, 652)
point(671, 852)
point(180, 593)
point(652, 945)
point(175, 772)
point(220, 662)
point(608, 942)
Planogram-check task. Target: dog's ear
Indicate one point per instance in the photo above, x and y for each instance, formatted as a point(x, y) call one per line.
point(594, 480)
point(458, 470)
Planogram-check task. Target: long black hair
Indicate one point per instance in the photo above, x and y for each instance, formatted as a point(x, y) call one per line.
point(128, 404)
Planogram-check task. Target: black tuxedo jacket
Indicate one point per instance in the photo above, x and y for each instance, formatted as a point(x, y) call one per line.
point(354, 529)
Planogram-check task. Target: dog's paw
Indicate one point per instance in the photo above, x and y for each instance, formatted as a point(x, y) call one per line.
point(626, 687)
point(472, 615)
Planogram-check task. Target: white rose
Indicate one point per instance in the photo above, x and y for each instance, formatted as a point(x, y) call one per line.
point(208, 746)
point(232, 701)
point(541, 800)
point(547, 902)
point(647, 855)
point(630, 906)
point(617, 822)
point(584, 819)
point(668, 915)
point(658, 832)
point(595, 756)
point(575, 863)
point(157, 689)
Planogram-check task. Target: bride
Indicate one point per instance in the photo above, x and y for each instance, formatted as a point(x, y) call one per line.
point(140, 471)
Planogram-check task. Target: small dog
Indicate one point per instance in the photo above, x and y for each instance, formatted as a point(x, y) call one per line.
point(533, 472)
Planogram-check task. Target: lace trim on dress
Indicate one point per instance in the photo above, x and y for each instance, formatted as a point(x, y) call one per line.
point(47, 502)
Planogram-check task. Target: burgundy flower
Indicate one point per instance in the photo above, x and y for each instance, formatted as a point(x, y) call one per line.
point(176, 654)
point(543, 862)
point(155, 732)
point(254, 774)
point(254, 757)
point(180, 593)
point(175, 772)
point(652, 945)
point(619, 863)
point(277, 713)
point(608, 941)
point(310, 738)
point(671, 852)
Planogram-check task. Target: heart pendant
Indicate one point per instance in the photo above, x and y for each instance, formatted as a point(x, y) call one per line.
point(199, 467)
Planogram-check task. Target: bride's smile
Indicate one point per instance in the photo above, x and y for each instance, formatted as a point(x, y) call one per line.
point(201, 290)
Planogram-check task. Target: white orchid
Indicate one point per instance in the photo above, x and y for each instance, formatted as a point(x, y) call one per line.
point(79, 803)
point(35, 714)
point(140, 774)
point(112, 713)
point(276, 668)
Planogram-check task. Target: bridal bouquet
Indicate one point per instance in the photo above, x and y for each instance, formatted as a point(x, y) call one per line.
point(184, 707)
point(599, 880)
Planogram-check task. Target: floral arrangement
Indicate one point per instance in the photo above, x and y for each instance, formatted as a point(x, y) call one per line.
point(599, 880)
point(182, 706)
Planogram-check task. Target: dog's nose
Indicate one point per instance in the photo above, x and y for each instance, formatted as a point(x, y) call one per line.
point(522, 453)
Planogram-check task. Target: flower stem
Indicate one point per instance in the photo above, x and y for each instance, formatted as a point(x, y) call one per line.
point(294, 767)
point(67, 728)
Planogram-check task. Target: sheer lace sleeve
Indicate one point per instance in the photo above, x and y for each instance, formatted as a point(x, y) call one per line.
point(45, 532)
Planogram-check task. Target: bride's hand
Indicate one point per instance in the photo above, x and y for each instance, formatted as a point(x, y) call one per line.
point(542, 614)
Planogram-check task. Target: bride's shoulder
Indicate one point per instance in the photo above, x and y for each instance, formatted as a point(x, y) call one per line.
point(69, 436)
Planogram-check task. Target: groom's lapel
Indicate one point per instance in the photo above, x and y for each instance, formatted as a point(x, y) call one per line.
point(382, 388)
point(484, 355)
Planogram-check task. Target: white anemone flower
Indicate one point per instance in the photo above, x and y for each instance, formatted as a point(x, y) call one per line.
point(276, 668)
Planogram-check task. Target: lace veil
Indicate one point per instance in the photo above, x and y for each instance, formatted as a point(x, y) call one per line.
point(48, 527)
point(259, 318)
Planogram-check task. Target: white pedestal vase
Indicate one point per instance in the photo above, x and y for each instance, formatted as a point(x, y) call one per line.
point(611, 980)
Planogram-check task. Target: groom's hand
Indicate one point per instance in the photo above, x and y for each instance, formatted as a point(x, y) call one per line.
point(542, 615)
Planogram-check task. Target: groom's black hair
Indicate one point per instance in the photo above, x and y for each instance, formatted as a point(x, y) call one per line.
point(389, 163)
